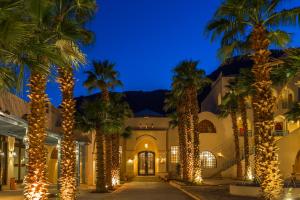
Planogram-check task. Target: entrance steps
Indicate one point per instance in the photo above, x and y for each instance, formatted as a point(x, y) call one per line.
point(146, 179)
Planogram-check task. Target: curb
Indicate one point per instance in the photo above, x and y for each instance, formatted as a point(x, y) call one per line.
point(184, 191)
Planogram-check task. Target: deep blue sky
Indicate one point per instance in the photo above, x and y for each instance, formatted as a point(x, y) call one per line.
point(147, 38)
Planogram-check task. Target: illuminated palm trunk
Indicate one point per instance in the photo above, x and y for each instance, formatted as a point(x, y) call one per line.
point(115, 160)
point(188, 122)
point(182, 142)
point(108, 160)
point(36, 178)
point(197, 163)
point(271, 181)
point(246, 139)
point(257, 172)
point(68, 146)
point(100, 162)
point(108, 146)
point(239, 170)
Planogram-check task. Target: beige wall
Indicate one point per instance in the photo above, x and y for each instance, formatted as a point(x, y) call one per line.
point(289, 146)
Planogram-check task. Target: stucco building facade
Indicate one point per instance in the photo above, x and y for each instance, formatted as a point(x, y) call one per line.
point(153, 147)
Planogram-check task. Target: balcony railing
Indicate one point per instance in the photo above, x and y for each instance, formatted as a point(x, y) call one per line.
point(275, 133)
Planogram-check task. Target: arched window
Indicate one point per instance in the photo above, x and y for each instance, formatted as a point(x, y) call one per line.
point(208, 160)
point(207, 126)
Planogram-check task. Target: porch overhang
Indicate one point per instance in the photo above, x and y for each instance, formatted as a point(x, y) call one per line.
point(16, 127)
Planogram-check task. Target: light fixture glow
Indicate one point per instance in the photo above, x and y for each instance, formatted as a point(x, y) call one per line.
point(250, 176)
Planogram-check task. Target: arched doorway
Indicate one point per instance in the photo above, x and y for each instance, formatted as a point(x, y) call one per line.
point(146, 163)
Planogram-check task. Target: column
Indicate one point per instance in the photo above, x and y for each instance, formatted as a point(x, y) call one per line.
point(58, 146)
point(10, 163)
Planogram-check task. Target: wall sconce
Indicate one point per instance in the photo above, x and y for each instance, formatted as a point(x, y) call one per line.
point(25, 139)
point(146, 146)
point(130, 161)
point(220, 154)
point(2, 154)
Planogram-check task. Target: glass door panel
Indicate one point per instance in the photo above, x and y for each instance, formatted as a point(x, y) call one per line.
point(146, 163)
point(150, 163)
point(142, 163)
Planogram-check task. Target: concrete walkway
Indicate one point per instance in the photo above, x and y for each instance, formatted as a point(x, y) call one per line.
point(140, 190)
point(129, 191)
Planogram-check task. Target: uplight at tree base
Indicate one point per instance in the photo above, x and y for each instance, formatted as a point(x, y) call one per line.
point(249, 176)
point(115, 181)
point(198, 180)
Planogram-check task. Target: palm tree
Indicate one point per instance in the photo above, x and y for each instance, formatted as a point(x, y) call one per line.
point(118, 112)
point(90, 117)
point(25, 43)
point(247, 26)
point(189, 80)
point(68, 22)
point(174, 102)
point(229, 106)
point(243, 88)
point(104, 77)
point(67, 180)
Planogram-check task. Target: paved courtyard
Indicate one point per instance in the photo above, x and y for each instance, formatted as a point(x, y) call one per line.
point(214, 192)
point(141, 190)
point(129, 191)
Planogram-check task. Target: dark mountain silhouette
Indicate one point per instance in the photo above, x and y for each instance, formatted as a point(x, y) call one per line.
point(151, 103)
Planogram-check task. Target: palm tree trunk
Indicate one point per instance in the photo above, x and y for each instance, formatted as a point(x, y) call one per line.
point(115, 160)
point(195, 111)
point(100, 162)
point(182, 145)
point(246, 139)
point(257, 172)
point(36, 178)
point(188, 121)
point(108, 145)
point(68, 156)
point(108, 160)
point(271, 182)
point(239, 170)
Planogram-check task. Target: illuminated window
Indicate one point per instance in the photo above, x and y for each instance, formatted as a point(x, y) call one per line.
point(208, 160)
point(207, 126)
point(174, 154)
point(120, 154)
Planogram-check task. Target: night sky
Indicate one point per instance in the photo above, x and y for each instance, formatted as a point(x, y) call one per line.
point(147, 38)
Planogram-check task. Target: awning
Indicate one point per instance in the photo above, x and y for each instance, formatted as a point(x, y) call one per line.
point(15, 127)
